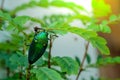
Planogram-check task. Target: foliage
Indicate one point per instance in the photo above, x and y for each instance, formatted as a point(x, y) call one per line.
point(100, 8)
point(66, 64)
point(13, 50)
point(46, 74)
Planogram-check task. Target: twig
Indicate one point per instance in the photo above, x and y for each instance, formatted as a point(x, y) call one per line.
point(83, 60)
point(28, 72)
point(49, 54)
point(24, 48)
point(20, 73)
point(8, 71)
point(2, 4)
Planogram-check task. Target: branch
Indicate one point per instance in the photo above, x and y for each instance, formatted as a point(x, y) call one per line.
point(28, 72)
point(8, 71)
point(2, 4)
point(49, 54)
point(20, 73)
point(83, 60)
point(24, 43)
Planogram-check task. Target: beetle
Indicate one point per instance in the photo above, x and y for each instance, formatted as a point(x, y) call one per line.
point(38, 45)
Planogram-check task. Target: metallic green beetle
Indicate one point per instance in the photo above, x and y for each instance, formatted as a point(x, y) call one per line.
point(38, 46)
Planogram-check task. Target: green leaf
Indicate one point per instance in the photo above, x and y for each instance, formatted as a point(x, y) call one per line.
point(10, 27)
point(79, 31)
point(93, 27)
point(80, 17)
point(18, 59)
point(103, 27)
point(40, 62)
point(45, 73)
point(77, 60)
point(113, 18)
point(88, 58)
point(1, 13)
point(21, 20)
point(108, 60)
point(104, 22)
point(87, 34)
point(117, 59)
point(66, 64)
point(100, 43)
point(15, 76)
point(38, 21)
point(100, 8)
point(70, 5)
point(5, 16)
point(99, 56)
point(4, 59)
point(45, 55)
point(45, 3)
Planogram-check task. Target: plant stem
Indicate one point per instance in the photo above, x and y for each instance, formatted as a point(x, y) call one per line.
point(2, 4)
point(49, 54)
point(8, 71)
point(83, 60)
point(24, 47)
point(24, 43)
point(28, 72)
point(20, 73)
